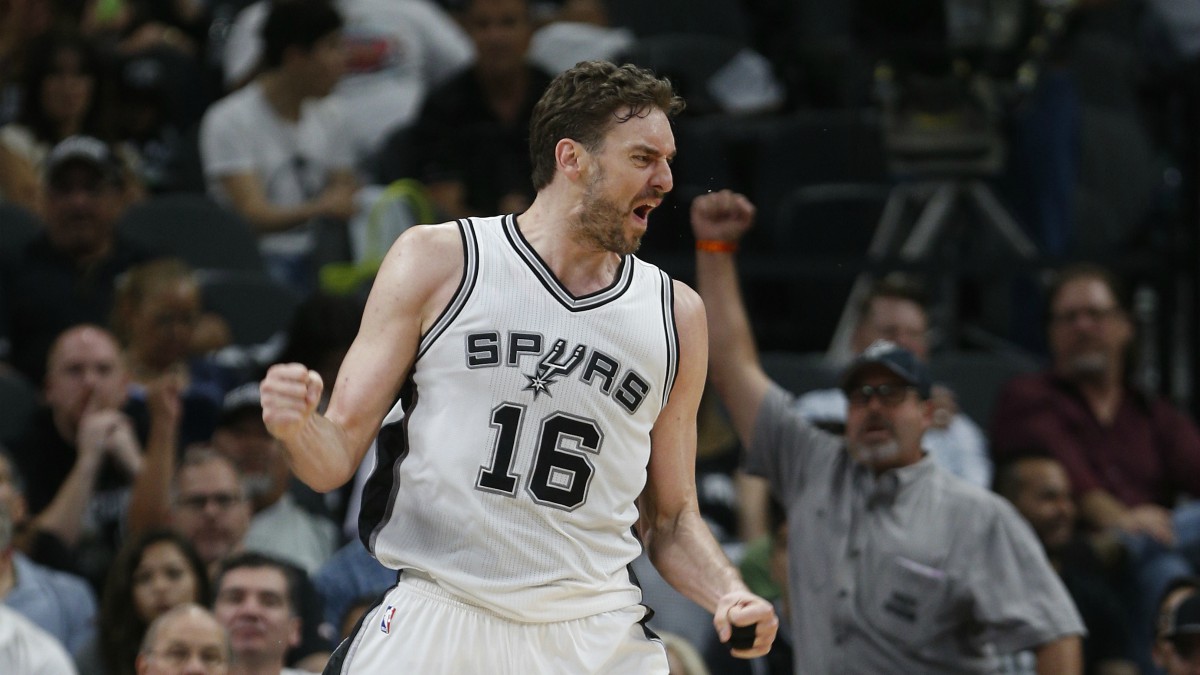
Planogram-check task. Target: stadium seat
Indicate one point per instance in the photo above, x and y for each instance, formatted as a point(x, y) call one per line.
point(689, 61)
point(812, 148)
point(829, 222)
point(719, 18)
point(194, 228)
point(17, 227)
point(18, 401)
point(256, 307)
point(976, 377)
point(799, 372)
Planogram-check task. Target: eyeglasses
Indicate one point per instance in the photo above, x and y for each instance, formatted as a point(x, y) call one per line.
point(1093, 314)
point(889, 394)
point(223, 500)
point(178, 655)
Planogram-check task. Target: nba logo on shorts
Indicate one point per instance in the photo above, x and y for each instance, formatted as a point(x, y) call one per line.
point(385, 624)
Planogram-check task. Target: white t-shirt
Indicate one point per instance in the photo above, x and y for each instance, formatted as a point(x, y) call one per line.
point(242, 133)
point(560, 45)
point(286, 530)
point(396, 51)
point(29, 650)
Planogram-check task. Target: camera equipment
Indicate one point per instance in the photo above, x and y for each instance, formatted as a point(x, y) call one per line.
point(947, 73)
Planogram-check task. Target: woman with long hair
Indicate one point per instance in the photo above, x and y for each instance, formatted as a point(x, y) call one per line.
point(153, 573)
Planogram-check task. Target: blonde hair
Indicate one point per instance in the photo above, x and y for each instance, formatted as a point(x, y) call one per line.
point(141, 282)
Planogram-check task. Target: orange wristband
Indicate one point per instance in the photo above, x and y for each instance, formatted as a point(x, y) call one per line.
point(716, 246)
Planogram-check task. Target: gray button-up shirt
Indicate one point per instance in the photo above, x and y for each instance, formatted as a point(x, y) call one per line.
point(913, 571)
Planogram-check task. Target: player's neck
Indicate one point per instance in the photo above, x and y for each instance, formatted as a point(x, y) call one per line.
point(580, 267)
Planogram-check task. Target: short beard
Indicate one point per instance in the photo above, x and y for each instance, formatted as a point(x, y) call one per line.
point(871, 455)
point(1088, 367)
point(600, 222)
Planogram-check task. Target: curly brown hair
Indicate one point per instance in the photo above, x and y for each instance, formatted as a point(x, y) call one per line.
point(585, 101)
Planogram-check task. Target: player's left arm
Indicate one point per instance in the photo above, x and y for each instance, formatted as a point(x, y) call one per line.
point(677, 540)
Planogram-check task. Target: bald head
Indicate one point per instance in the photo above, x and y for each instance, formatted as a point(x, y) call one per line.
point(185, 640)
point(84, 370)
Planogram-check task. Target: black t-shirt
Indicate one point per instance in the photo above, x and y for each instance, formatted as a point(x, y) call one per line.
point(44, 293)
point(457, 137)
point(1093, 590)
point(45, 459)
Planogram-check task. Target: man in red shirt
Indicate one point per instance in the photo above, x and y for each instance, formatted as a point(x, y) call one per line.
point(1130, 456)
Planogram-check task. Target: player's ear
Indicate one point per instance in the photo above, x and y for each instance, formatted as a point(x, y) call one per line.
point(570, 157)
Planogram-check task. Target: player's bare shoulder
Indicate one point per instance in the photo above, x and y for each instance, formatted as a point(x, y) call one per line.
point(434, 248)
point(689, 309)
point(423, 267)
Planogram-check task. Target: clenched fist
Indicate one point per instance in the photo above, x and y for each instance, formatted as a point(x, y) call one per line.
point(721, 216)
point(290, 394)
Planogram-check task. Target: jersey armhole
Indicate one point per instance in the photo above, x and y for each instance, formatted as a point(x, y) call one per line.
point(466, 285)
point(671, 332)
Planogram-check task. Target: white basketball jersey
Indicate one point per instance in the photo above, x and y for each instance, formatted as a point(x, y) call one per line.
point(509, 470)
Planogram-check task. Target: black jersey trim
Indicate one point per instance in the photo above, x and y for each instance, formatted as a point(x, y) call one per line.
point(621, 283)
point(671, 331)
point(466, 286)
point(391, 448)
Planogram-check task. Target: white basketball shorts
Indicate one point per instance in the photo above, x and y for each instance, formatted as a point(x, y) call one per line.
point(420, 628)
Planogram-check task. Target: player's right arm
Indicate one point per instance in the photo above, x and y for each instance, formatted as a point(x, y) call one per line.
point(734, 368)
point(418, 277)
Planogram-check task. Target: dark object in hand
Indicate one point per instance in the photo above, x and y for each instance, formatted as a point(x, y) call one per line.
point(742, 637)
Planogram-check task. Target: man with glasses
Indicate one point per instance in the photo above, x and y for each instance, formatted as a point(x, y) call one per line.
point(895, 310)
point(185, 640)
point(210, 507)
point(1129, 454)
point(894, 564)
point(66, 273)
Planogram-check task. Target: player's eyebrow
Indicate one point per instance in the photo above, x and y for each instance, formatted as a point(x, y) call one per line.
point(653, 151)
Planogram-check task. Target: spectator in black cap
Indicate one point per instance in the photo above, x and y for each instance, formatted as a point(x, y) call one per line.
point(66, 274)
point(1177, 650)
point(280, 525)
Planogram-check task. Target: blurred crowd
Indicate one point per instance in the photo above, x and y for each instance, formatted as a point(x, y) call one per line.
point(193, 190)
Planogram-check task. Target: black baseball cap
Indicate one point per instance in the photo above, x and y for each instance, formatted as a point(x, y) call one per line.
point(85, 150)
point(896, 359)
point(240, 401)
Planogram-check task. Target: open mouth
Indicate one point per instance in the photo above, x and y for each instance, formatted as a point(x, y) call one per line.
point(876, 431)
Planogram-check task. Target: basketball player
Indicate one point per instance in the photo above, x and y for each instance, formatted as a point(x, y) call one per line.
point(551, 382)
